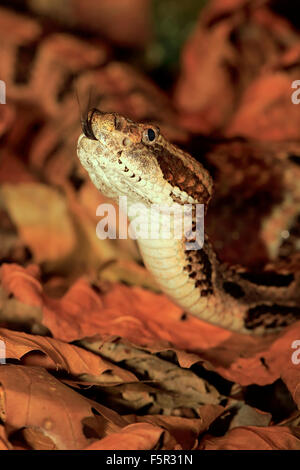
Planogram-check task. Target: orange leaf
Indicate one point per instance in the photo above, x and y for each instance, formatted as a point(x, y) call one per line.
point(35, 399)
point(40, 213)
point(184, 430)
point(254, 438)
point(55, 354)
point(142, 436)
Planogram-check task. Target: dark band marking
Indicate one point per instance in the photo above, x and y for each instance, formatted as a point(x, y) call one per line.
point(186, 180)
point(271, 316)
point(268, 278)
point(233, 289)
point(199, 269)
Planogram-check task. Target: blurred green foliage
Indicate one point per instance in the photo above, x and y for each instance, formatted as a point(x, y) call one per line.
point(173, 21)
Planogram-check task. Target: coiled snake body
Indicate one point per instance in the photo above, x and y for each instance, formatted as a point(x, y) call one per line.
point(126, 158)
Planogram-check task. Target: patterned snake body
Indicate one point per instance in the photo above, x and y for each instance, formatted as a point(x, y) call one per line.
point(124, 158)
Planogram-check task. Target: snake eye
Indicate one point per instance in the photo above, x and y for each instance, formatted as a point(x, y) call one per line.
point(149, 135)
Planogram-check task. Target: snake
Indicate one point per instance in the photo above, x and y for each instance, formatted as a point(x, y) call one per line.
point(134, 159)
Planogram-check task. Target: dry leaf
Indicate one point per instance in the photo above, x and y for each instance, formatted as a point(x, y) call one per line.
point(206, 80)
point(185, 431)
point(40, 213)
point(263, 109)
point(141, 436)
point(124, 22)
point(254, 438)
point(56, 355)
point(35, 399)
point(153, 321)
point(4, 444)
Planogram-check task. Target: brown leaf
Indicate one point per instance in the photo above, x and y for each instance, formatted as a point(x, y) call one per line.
point(185, 431)
point(153, 321)
point(141, 436)
point(245, 415)
point(253, 438)
point(263, 109)
point(40, 213)
point(205, 79)
point(4, 444)
point(223, 62)
point(54, 354)
point(35, 399)
point(271, 359)
point(172, 389)
point(133, 313)
point(124, 22)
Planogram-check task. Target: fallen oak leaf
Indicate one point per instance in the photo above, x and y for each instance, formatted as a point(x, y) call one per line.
point(35, 399)
point(80, 312)
point(164, 387)
point(245, 415)
point(41, 215)
point(272, 359)
point(226, 44)
point(148, 320)
point(32, 438)
point(141, 436)
point(170, 377)
point(197, 89)
point(34, 350)
point(253, 438)
point(185, 431)
point(263, 109)
point(4, 443)
point(167, 388)
point(244, 364)
point(125, 23)
point(26, 313)
point(142, 317)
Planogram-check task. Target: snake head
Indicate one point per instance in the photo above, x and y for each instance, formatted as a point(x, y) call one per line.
point(134, 159)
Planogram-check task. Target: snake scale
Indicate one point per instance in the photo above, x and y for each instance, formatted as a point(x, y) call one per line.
point(134, 159)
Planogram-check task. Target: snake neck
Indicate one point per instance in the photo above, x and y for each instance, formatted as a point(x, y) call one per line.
point(232, 298)
point(134, 159)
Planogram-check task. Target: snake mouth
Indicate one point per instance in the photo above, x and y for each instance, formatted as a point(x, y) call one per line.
point(86, 144)
point(125, 171)
point(114, 174)
point(82, 136)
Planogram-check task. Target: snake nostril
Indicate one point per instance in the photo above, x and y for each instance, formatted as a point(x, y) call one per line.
point(117, 122)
